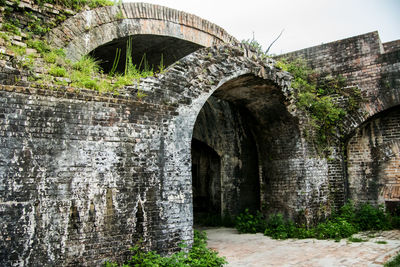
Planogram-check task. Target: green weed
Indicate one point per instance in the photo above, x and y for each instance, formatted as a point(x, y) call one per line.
point(57, 71)
point(347, 221)
point(395, 262)
point(198, 255)
point(250, 223)
point(356, 239)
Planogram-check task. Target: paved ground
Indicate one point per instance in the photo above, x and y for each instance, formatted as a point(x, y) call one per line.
point(258, 250)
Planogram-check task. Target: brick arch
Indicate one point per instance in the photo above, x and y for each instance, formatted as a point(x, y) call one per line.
point(186, 86)
point(373, 156)
point(374, 105)
point(90, 29)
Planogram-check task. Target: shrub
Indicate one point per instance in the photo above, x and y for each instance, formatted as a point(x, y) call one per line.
point(371, 218)
point(198, 255)
point(334, 229)
point(277, 227)
point(250, 223)
point(395, 262)
point(395, 221)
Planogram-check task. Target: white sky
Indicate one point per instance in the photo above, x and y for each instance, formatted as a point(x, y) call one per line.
point(306, 22)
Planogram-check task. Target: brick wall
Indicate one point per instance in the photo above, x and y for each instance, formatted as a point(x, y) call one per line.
point(371, 66)
point(73, 177)
point(374, 160)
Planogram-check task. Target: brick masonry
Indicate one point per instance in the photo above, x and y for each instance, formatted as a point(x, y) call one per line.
point(84, 176)
point(375, 69)
point(86, 31)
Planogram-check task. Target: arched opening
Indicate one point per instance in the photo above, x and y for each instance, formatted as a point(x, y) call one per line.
point(206, 182)
point(246, 123)
point(373, 161)
point(147, 49)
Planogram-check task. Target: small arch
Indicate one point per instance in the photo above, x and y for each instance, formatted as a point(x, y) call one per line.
point(385, 100)
point(90, 29)
point(373, 156)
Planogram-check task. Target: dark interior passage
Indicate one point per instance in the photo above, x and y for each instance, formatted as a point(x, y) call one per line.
point(224, 128)
point(152, 49)
point(206, 183)
point(246, 122)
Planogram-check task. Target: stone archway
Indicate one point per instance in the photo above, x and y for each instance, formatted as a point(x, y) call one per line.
point(240, 76)
point(91, 29)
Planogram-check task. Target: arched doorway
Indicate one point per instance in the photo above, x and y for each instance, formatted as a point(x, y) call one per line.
point(373, 161)
point(246, 123)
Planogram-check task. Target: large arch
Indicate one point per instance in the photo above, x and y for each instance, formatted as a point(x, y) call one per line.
point(91, 29)
point(234, 74)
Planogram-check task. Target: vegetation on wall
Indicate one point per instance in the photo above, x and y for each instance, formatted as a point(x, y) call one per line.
point(84, 73)
point(75, 5)
point(324, 98)
point(198, 255)
point(22, 33)
point(342, 224)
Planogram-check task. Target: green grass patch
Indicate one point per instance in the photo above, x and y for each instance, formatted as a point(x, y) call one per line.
point(356, 239)
point(381, 242)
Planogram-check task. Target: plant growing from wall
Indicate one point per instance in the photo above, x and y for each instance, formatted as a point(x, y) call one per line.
point(319, 96)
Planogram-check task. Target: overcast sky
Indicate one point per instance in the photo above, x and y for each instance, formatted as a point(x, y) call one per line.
point(305, 22)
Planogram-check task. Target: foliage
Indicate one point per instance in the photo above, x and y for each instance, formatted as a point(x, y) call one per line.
point(372, 218)
point(250, 223)
point(347, 221)
point(356, 239)
point(11, 27)
point(317, 94)
point(76, 4)
point(254, 44)
point(395, 262)
point(17, 50)
point(57, 71)
point(198, 255)
point(336, 228)
point(37, 25)
point(278, 228)
point(41, 46)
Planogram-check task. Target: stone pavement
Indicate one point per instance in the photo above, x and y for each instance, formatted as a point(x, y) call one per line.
point(259, 250)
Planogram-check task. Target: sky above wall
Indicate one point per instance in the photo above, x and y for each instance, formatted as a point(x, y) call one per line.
point(305, 22)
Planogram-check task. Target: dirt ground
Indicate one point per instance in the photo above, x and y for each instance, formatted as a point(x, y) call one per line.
point(259, 250)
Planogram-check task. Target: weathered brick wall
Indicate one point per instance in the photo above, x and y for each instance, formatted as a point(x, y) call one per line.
point(373, 155)
point(25, 14)
point(75, 170)
point(85, 175)
point(371, 66)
